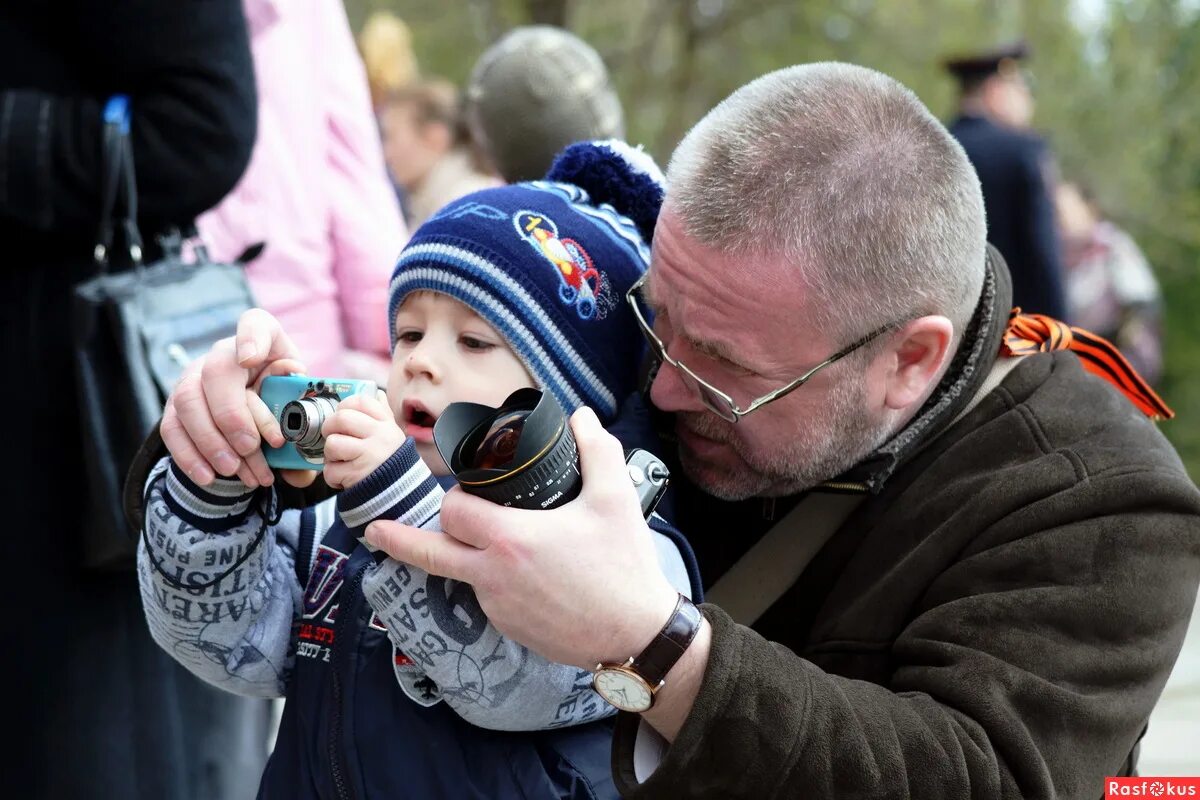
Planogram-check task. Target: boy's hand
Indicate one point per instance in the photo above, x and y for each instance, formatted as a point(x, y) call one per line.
point(214, 422)
point(359, 437)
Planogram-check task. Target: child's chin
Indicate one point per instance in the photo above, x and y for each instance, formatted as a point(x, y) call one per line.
point(432, 458)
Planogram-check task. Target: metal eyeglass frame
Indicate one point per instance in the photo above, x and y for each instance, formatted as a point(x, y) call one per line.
point(726, 408)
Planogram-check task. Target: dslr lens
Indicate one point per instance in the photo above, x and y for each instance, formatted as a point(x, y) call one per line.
point(499, 444)
point(521, 454)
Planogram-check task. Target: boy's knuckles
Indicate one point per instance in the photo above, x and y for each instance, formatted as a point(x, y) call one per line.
point(333, 475)
point(339, 447)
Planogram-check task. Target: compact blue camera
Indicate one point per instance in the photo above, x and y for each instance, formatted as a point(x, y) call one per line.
point(302, 404)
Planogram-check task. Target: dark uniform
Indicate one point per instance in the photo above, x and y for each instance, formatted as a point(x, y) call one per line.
point(1013, 168)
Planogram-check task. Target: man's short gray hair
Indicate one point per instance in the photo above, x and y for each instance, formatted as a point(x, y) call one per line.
point(842, 171)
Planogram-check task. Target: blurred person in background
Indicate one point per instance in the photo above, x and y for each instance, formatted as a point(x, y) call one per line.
point(96, 708)
point(429, 149)
point(1111, 289)
point(1015, 171)
point(533, 92)
point(316, 192)
point(385, 43)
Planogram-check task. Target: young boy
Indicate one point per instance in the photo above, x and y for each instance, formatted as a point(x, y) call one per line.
point(397, 684)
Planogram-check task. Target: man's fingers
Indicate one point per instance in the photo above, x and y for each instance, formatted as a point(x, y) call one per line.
point(261, 340)
point(182, 451)
point(431, 551)
point(264, 420)
point(284, 366)
point(245, 474)
point(191, 409)
point(223, 384)
point(477, 522)
point(257, 462)
point(601, 458)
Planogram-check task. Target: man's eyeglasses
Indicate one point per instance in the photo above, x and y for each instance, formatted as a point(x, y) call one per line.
point(716, 400)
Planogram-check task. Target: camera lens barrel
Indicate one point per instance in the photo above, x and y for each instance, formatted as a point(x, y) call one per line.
point(302, 420)
point(543, 470)
point(548, 482)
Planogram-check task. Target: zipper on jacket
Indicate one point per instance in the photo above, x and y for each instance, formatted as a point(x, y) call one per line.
point(842, 486)
point(348, 610)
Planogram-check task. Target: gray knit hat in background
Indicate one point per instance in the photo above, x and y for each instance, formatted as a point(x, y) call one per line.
point(533, 92)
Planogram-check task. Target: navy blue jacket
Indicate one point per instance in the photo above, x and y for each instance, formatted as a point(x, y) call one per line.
point(1020, 210)
point(346, 731)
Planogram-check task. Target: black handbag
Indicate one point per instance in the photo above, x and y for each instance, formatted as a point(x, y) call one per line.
point(134, 331)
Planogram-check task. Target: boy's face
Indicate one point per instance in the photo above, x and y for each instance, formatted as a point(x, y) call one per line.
point(445, 353)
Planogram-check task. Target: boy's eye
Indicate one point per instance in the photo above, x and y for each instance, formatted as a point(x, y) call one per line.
point(471, 343)
point(410, 336)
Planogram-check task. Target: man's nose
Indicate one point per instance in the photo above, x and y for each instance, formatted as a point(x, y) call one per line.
point(672, 391)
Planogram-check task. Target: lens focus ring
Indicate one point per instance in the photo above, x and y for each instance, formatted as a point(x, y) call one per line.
point(549, 483)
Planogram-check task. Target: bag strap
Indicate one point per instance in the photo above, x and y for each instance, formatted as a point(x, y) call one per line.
point(117, 182)
point(775, 563)
point(770, 567)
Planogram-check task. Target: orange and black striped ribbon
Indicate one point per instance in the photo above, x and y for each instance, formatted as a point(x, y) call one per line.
point(1035, 333)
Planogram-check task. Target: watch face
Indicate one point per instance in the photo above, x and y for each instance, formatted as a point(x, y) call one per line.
point(623, 689)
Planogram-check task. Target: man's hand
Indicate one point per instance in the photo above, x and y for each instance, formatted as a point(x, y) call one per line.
point(579, 584)
point(214, 422)
point(359, 437)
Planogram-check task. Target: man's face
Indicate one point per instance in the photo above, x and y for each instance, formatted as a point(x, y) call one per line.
point(740, 324)
point(1009, 100)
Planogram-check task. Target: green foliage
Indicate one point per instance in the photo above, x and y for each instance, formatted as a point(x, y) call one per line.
point(1117, 96)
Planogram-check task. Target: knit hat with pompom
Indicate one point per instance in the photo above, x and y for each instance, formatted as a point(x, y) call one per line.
point(547, 264)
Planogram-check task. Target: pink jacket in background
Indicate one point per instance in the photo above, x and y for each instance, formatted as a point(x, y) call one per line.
point(316, 190)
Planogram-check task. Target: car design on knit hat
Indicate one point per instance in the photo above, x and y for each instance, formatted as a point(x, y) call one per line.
point(579, 280)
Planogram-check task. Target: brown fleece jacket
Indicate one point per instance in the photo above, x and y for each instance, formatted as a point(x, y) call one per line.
point(996, 620)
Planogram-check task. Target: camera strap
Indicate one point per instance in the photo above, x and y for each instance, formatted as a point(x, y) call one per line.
point(770, 567)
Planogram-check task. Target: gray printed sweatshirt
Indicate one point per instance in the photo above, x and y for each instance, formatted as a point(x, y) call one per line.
point(236, 596)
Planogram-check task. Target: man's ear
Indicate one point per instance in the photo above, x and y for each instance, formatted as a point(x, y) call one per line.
point(919, 353)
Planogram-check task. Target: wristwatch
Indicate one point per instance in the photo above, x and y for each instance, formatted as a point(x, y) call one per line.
point(632, 685)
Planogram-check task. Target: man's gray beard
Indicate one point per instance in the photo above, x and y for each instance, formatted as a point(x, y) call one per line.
point(818, 452)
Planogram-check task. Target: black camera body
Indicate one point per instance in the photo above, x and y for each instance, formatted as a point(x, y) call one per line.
point(523, 454)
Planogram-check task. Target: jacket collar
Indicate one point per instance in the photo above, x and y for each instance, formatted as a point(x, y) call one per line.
point(977, 352)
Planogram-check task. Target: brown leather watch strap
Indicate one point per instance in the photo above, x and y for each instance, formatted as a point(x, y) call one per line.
point(669, 645)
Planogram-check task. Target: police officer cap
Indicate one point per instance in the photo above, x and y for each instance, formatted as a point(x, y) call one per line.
point(976, 67)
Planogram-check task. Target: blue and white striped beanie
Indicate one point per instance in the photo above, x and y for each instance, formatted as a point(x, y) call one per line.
point(547, 263)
